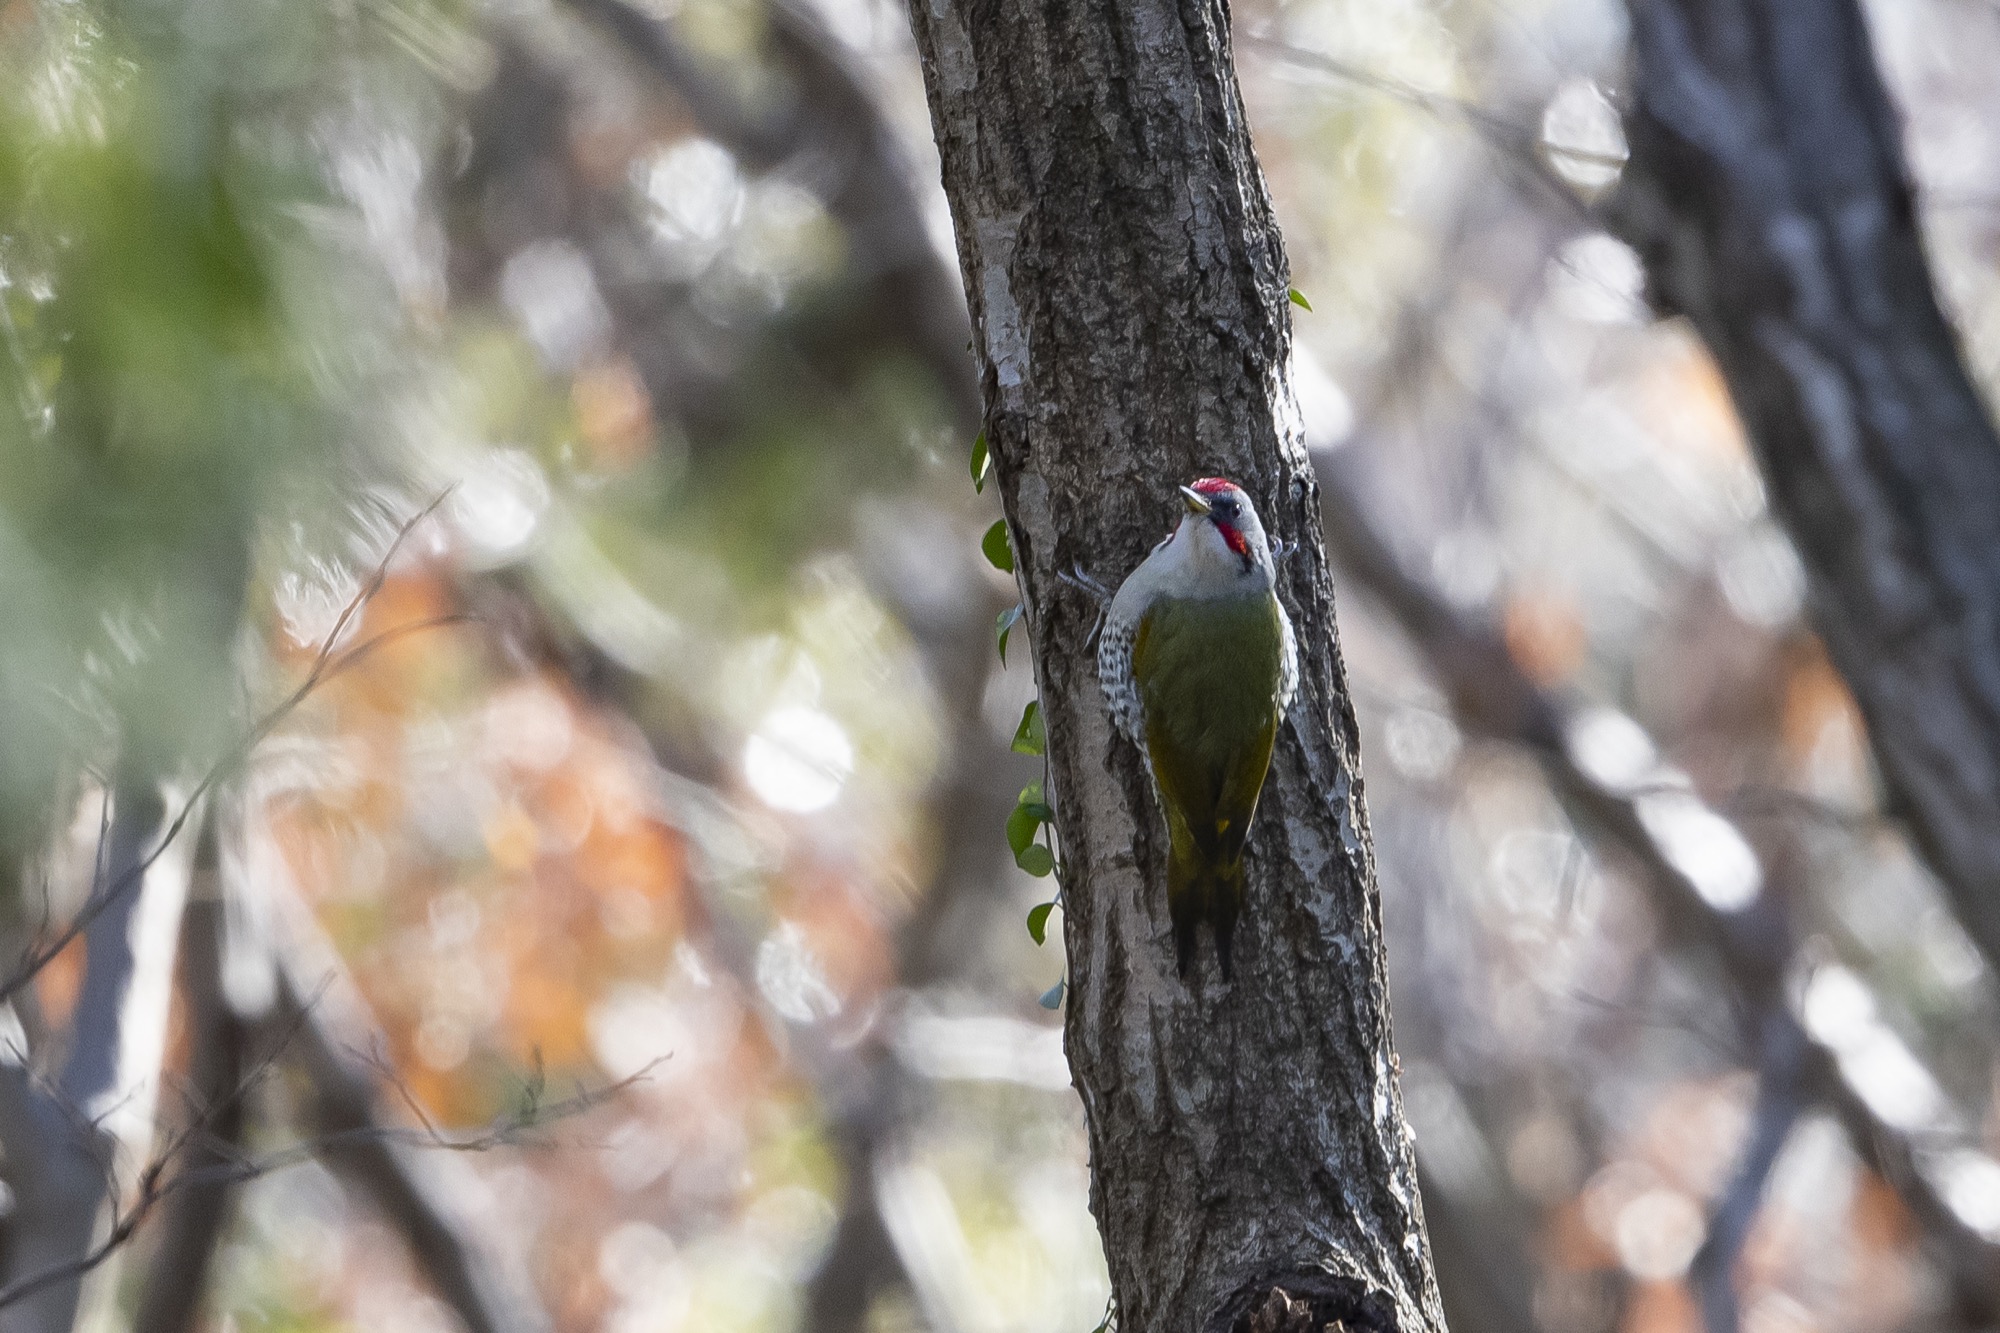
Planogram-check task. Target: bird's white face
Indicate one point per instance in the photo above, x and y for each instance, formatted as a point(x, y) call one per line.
point(1223, 536)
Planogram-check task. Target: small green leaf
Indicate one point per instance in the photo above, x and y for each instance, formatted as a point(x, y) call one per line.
point(1052, 997)
point(1299, 299)
point(1027, 816)
point(982, 462)
point(1037, 860)
point(1005, 626)
point(1021, 826)
point(999, 551)
point(1029, 737)
point(1038, 922)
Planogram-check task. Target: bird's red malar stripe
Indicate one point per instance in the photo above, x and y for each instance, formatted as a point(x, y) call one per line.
point(1237, 542)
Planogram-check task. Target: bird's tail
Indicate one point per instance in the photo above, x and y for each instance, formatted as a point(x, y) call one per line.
point(1200, 889)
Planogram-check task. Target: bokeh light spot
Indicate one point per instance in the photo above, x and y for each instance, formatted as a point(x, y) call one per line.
point(798, 760)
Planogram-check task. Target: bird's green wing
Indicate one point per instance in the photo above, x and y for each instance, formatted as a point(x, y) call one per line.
point(1188, 785)
point(1207, 676)
point(1242, 783)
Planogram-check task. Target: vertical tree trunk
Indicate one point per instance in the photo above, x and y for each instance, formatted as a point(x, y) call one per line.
point(193, 1221)
point(72, 1145)
point(1767, 195)
point(1128, 288)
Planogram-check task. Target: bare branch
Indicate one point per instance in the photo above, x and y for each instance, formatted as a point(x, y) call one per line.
point(1770, 200)
point(1493, 696)
point(362, 596)
point(1781, 1097)
point(163, 1177)
point(1520, 143)
point(157, 1181)
point(326, 665)
point(413, 1188)
point(876, 195)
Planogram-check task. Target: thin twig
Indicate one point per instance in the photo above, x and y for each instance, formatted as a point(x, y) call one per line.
point(510, 1130)
point(1781, 1097)
point(156, 1184)
point(1755, 800)
point(326, 665)
point(1492, 696)
point(1520, 141)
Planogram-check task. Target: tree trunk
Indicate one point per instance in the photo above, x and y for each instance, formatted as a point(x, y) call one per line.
point(71, 1145)
point(1768, 197)
point(193, 1221)
point(1128, 288)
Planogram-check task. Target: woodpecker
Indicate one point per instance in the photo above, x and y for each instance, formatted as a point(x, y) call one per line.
point(1198, 662)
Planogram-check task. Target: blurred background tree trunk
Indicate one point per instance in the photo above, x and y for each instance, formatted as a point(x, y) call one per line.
point(1129, 295)
point(1768, 196)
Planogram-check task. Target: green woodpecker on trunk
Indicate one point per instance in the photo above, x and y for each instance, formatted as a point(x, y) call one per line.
point(1198, 662)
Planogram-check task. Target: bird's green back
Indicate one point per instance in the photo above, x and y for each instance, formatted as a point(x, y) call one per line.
point(1207, 672)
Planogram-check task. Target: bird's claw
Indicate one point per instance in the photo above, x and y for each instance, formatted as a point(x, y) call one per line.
point(1076, 578)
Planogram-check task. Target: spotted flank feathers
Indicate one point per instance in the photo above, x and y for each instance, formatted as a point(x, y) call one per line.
point(1114, 673)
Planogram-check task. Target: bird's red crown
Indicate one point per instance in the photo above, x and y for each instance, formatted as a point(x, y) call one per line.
point(1216, 486)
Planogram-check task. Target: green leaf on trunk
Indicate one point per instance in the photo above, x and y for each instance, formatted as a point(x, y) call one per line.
point(999, 551)
point(1029, 737)
point(1005, 626)
point(982, 462)
point(1299, 299)
point(1038, 922)
point(1037, 860)
point(1021, 826)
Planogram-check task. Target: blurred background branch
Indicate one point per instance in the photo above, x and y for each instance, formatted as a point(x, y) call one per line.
point(1881, 456)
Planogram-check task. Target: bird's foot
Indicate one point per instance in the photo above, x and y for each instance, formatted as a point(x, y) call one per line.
point(1076, 578)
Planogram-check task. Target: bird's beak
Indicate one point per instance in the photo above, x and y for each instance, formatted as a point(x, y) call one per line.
point(1194, 500)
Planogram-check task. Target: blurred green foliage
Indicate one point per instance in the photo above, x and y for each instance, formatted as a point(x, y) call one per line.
point(152, 395)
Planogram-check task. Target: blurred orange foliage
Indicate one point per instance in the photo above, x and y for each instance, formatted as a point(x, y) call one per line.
point(1545, 634)
point(1661, 1307)
point(1683, 396)
point(614, 413)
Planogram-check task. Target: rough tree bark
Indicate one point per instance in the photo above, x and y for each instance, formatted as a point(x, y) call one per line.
point(1128, 288)
point(1768, 197)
